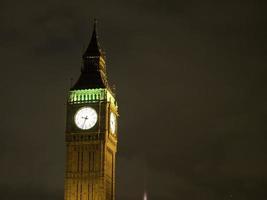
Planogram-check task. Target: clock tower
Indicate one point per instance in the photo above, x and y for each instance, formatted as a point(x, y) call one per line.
point(91, 130)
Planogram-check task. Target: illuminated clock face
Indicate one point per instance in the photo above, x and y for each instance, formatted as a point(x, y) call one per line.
point(112, 122)
point(85, 118)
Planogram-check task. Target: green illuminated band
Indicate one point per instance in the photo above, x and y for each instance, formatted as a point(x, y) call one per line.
point(91, 95)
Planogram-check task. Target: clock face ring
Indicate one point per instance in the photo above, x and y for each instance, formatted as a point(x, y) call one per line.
point(112, 122)
point(85, 118)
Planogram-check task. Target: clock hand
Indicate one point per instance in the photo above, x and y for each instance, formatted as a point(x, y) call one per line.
point(85, 118)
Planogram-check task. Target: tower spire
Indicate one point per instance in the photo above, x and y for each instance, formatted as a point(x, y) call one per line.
point(95, 23)
point(93, 72)
point(93, 48)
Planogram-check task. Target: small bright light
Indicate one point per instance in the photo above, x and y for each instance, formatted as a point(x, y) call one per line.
point(145, 196)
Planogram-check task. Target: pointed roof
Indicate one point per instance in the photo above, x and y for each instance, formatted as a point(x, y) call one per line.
point(90, 81)
point(93, 48)
point(93, 75)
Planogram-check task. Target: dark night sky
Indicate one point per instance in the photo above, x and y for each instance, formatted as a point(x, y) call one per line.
point(191, 86)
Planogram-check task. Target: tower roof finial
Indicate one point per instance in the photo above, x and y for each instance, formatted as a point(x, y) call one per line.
point(93, 48)
point(95, 23)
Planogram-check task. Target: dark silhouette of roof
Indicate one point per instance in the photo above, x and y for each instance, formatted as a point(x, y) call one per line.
point(93, 75)
point(93, 47)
